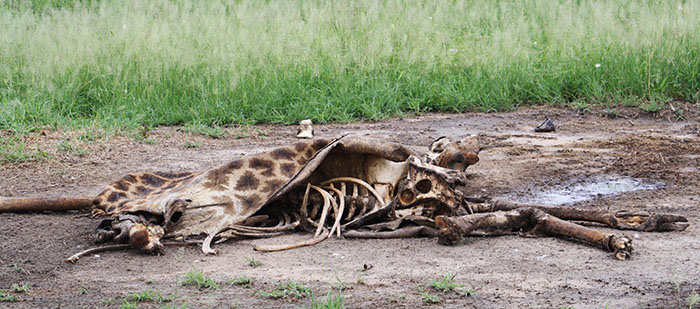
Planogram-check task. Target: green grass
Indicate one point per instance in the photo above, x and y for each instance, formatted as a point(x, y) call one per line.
point(430, 299)
point(245, 282)
point(21, 288)
point(252, 262)
point(198, 279)
point(148, 295)
point(331, 301)
point(444, 284)
point(13, 149)
point(129, 63)
point(66, 146)
point(191, 144)
point(6, 297)
point(133, 300)
point(693, 300)
point(128, 304)
point(286, 290)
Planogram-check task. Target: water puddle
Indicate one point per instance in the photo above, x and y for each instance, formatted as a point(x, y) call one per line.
point(588, 189)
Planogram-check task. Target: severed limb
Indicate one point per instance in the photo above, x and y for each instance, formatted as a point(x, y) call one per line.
point(623, 220)
point(452, 229)
point(44, 204)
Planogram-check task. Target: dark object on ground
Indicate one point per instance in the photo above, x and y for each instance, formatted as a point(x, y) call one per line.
point(546, 126)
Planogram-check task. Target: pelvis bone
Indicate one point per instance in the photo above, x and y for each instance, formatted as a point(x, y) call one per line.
point(351, 186)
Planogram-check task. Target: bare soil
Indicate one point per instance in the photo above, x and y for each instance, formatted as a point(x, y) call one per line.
point(508, 271)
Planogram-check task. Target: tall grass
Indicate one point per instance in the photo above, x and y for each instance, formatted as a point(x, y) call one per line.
point(127, 63)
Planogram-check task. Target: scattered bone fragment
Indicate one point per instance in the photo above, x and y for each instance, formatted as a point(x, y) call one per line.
point(305, 130)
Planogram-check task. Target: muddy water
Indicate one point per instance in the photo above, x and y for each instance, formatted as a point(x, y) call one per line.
point(586, 189)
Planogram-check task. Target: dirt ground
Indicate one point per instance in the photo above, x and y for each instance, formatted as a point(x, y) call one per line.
point(506, 272)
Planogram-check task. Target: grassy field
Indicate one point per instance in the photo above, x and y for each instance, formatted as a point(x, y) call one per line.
point(133, 63)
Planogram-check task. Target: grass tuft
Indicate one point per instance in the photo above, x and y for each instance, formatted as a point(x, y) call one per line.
point(252, 262)
point(444, 284)
point(693, 300)
point(245, 282)
point(148, 296)
point(198, 279)
point(286, 290)
point(331, 301)
point(191, 144)
point(20, 288)
point(6, 297)
point(431, 299)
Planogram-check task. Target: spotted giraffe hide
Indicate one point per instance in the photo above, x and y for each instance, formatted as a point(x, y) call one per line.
point(206, 202)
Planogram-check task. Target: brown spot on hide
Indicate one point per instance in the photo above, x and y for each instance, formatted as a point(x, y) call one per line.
point(217, 179)
point(300, 146)
point(319, 143)
point(224, 199)
point(152, 180)
point(273, 185)
point(302, 160)
point(111, 208)
point(173, 175)
point(129, 178)
point(249, 201)
point(121, 185)
point(235, 165)
point(115, 196)
point(247, 182)
point(309, 153)
point(227, 203)
point(288, 169)
point(141, 190)
point(265, 166)
point(172, 185)
point(283, 154)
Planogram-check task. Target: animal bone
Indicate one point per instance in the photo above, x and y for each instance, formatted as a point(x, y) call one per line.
point(305, 130)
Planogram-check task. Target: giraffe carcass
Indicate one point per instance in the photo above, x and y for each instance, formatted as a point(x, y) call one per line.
point(351, 186)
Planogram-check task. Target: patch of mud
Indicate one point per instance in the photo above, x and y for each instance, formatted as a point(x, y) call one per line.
point(505, 272)
point(585, 189)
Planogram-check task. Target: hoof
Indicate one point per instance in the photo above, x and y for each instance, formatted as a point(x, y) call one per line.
point(622, 247)
point(448, 234)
